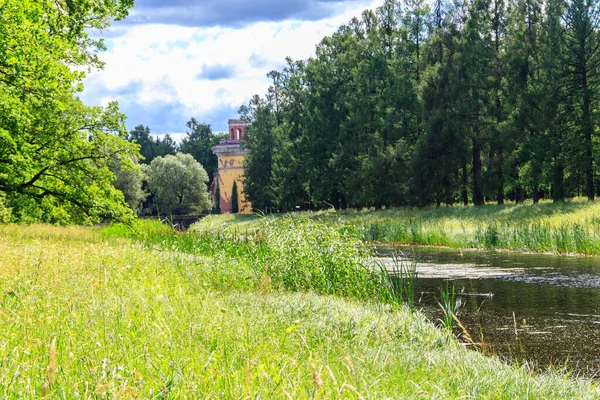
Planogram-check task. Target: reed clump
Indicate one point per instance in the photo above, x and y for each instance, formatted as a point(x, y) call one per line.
point(291, 254)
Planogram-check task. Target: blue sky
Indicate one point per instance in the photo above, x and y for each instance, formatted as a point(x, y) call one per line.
point(171, 60)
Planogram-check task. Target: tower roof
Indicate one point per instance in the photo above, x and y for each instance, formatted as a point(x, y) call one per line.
point(237, 122)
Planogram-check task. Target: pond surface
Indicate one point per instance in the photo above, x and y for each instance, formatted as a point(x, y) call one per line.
point(555, 301)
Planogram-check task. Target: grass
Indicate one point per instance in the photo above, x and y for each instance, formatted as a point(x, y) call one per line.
point(292, 254)
point(90, 315)
point(569, 227)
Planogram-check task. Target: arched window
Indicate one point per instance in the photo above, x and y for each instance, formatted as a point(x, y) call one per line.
point(237, 134)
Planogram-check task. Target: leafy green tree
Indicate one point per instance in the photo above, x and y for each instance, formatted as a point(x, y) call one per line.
point(141, 136)
point(439, 159)
point(54, 151)
point(552, 95)
point(198, 143)
point(522, 100)
point(475, 83)
point(262, 141)
point(178, 184)
point(130, 179)
point(495, 106)
point(472, 101)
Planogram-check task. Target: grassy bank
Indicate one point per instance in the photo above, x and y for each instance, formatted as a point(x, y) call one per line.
point(91, 315)
point(570, 227)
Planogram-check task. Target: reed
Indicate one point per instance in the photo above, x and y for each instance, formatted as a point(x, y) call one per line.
point(403, 275)
point(450, 305)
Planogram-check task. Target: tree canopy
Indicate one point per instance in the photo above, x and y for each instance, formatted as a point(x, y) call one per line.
point(151, 147)
point(55, 151)
point(198, 142)
point(130, 180)
point(441, 102)
point(179, 185)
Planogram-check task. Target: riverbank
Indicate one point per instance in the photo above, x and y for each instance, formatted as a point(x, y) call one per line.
point(87, 313)
point(571, 227)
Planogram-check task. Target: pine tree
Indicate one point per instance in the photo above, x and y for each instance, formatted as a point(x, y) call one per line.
point(582, 42)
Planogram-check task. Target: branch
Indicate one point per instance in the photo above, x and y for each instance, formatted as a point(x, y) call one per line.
point(48, 192)
point(37, 176)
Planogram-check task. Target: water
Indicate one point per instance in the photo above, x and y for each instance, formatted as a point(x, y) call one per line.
point(555, 301)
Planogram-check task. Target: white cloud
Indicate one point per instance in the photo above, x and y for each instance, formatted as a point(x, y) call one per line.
point(158, 67)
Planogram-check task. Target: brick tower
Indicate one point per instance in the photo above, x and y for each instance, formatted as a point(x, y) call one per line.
point(231, 156)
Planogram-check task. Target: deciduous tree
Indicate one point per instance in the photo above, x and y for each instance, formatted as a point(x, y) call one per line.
point(178, 184)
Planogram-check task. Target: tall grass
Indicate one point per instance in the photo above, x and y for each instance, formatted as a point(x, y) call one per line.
point(570, 227)
point(295, 255)
point(539, 236)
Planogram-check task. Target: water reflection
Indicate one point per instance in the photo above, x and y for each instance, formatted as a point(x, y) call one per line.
point(555, 301)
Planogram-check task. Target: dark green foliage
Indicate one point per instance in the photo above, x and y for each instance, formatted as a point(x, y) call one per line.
point(460, 102)
point(235, 208)
point(150, 147)
point(262, 141)
point(199, 142)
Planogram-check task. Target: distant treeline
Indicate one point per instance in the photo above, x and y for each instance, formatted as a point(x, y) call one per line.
point(418, 103)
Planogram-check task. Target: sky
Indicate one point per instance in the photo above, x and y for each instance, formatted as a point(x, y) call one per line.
point(172, 60)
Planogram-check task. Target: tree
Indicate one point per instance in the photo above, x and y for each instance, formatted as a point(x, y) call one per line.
point(178, 184)
point(582, 44)
point(554, 104)
point(476, 101)
point(150, 147)
point(55, 151)
point(198, 143)
point(129, 179)
point(440, 157)
point(165, 146)
point(235, 208)
point(141, 135)
point(261, 140)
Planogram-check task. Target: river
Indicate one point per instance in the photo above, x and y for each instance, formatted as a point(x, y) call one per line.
point(535, 308)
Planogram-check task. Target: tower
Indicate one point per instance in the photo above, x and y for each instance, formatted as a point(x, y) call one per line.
point(231, 156)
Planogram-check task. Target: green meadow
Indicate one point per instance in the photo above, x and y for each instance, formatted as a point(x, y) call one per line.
point(571, 227)
point(113, 313)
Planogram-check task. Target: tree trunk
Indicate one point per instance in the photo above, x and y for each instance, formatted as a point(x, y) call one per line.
point(536, 170)
point(465, 183)
point(477, 192)
point(500, 174)
point(558, 184)
point(448, 191)
point(518, 189)
point(589, 156)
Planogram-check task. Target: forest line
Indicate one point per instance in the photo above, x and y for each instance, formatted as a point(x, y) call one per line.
point(472, 102)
